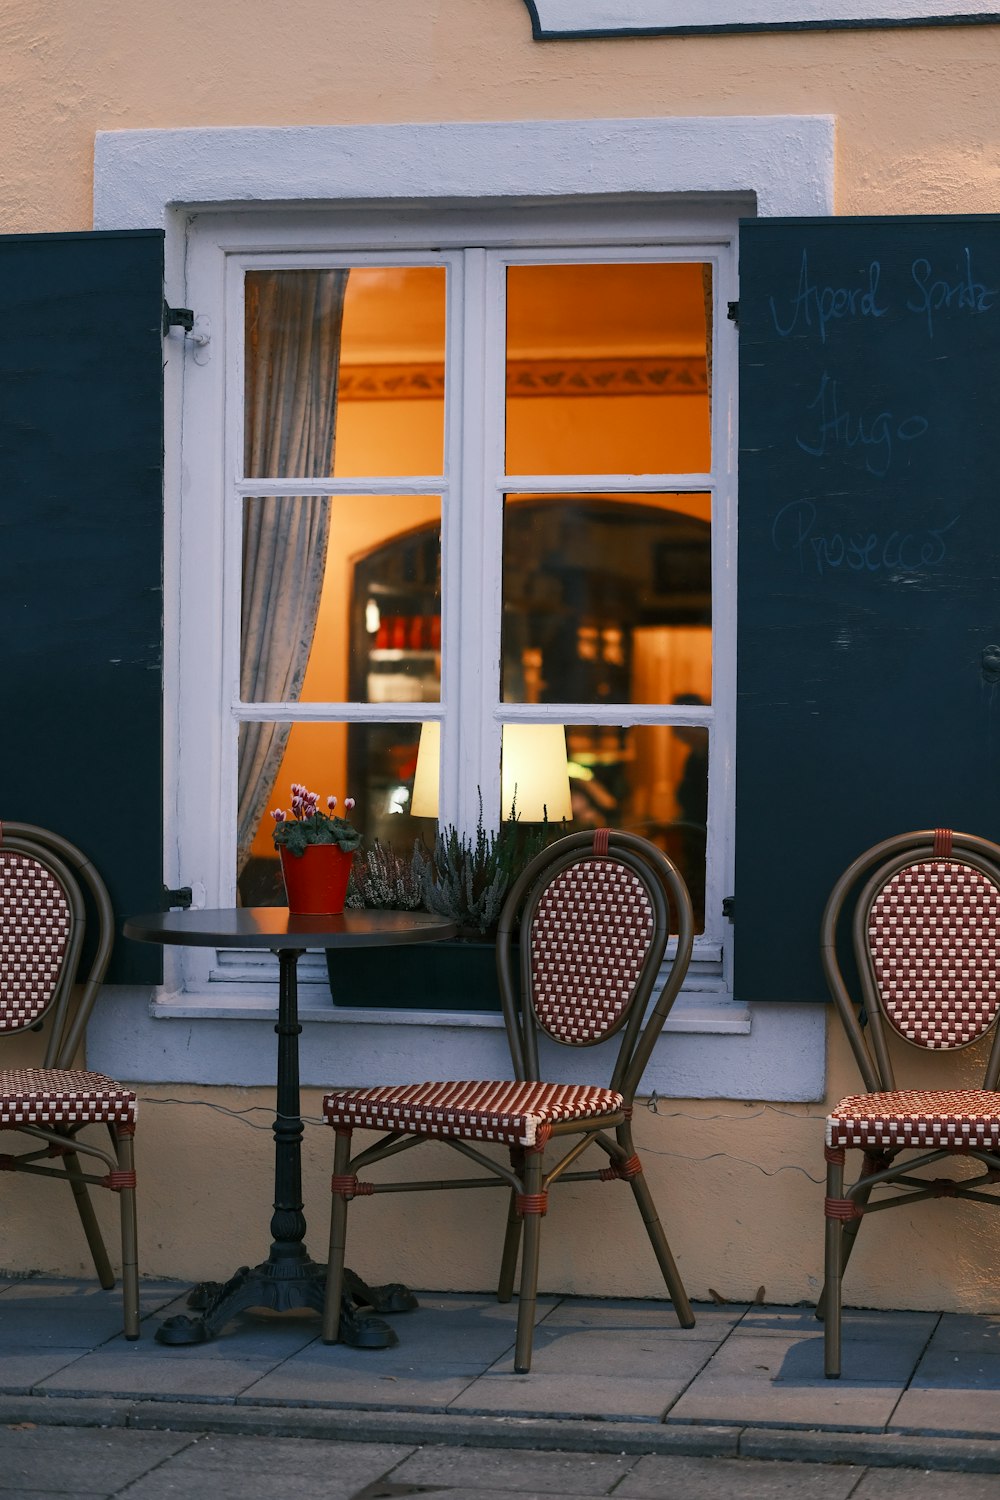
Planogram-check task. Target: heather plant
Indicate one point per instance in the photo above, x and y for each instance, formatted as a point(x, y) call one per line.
point(466, 879)
point(383, 879)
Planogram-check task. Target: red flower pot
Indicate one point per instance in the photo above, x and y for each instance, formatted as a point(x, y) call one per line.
point(316, 880)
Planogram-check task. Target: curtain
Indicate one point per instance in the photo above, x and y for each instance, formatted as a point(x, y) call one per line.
point(293, 324)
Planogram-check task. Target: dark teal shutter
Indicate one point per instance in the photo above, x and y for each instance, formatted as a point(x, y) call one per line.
point(869, 561)
point(81, 525)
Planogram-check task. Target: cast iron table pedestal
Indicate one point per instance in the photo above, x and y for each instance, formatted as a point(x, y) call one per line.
point(288, 1278)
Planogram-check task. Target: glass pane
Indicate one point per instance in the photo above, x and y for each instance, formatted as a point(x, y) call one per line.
point(606, 598)
point(373, 763)
point(649, 779)
point(341, 599)
point(345, 372)
point(608, 369)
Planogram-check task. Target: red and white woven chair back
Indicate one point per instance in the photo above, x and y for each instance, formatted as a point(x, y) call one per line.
point(933, 937)
point(590, 933)
point(34, 932)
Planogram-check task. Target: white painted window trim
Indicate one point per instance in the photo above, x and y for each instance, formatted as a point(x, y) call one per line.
point(563, 19)
point(222, 249)
point(667, 167)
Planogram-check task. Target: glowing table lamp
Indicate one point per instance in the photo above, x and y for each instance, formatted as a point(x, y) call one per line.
point(534, 775)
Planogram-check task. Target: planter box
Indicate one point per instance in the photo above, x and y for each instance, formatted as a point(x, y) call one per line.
point(423, 976)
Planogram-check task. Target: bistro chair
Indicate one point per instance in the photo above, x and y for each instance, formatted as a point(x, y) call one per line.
point(926, 949)
point(42, 927)
point(593, 915)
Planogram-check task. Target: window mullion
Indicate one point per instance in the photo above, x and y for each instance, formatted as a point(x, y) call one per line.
point(470, 764)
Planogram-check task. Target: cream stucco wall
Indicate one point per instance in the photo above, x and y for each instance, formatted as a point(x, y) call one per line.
point(739, 1187)
point(917, 127)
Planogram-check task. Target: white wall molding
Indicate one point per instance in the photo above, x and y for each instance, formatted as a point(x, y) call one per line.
point(555, 20)
point(785, 161)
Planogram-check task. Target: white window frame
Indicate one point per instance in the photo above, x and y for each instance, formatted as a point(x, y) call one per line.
point(783, 165)
point(222, 250)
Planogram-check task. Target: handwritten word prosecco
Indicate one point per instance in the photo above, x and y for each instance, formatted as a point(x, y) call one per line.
point(795, 531)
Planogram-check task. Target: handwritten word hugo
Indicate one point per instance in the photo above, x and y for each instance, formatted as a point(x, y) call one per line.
point(794, 530)
point(814, 305)
point(837, 428)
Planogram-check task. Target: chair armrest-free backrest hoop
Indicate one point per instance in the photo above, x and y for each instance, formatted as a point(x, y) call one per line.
point(587, 930)
point(41, 932)
point(931, 949)
point(558, 884)
point(67, 1032)
point(885, 860)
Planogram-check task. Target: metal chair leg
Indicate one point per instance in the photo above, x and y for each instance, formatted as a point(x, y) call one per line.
point(532, 1207)
point(848, 1240)
point(511, 1246)
point(834, 1267)
point(130, 1233)
point(338, 1239)
point(88, 1218)
point(661, 1249)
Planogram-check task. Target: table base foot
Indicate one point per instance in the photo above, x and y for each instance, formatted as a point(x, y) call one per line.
point(281, 1288)
point(394, 1297)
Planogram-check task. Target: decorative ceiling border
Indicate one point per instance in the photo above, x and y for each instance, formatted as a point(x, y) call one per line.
point(568, 20)
point(670, 375)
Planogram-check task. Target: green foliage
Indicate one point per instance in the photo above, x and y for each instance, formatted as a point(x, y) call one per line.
point(296, 834)
point(307, 825)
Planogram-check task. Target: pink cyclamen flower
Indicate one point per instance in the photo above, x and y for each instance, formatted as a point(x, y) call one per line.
point(278, 815)
point(331, 803)
point(349, 803)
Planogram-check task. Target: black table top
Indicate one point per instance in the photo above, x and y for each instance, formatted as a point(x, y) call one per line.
point(275, 927)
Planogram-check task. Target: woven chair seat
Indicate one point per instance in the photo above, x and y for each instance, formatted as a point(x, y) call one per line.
point(512, 1113)
point(934, 1119)
point(53, 1097)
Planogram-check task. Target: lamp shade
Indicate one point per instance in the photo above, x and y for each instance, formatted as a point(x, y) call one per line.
point(427, 776)
point(534, 773)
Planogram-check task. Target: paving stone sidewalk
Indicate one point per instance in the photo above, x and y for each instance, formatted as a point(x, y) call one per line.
point(613, 1378)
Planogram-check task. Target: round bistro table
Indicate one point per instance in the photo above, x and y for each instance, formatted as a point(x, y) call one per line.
point(288, 1278)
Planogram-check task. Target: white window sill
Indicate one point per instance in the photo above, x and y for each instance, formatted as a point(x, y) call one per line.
point(712, 1049)
point(698, 1011)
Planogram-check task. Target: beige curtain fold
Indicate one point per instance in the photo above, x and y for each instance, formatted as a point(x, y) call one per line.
point(293, 325)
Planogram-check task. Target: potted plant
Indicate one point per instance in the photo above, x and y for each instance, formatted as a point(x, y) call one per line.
point(463, 878)
point(316, 850)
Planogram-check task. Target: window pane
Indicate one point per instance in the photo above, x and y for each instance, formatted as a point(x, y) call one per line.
point(345, 372)
point(606, 598)
point(341, 599)
point(608, 369)
point(374, 763)
point(651, 780)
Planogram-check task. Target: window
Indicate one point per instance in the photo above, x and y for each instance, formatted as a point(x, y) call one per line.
point(466, 495)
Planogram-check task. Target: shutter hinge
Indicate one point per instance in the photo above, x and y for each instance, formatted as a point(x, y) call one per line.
point(733, 312)
point(177, 317)
point(180, 899)
point(729, 908)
